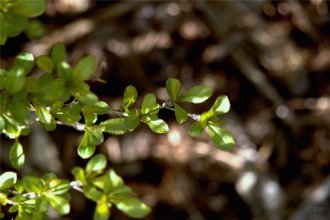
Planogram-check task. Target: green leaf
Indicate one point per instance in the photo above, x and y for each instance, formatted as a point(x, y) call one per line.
point(149, 104)
point(45, 117)
point(35, 29)
point(120, 126)
point(112, 181)
point(92, 192)
point(196, 129)
point(79, 174)
point(58, 203)
point(102, 210)
point(89, 115)
point(29, 8)
point(3, 29)
point(58, 53)
point(2, 124)
point(69, 115)
point(64, 71)
point(3, 201)
point(101, 107)
point(59, 186)
point(19, 111)
point(3, 78)
point(130, 96)
point(158, 126)
point(81, 92)
point(15, 80)
point(16, 23)
point(25, 62)
point(7, 180)
point(17, 156)
point(93, 136)
point(221, 138)
point(54, 90)
point(45, 63)
point(133, 207)
point(96, 164)
point(221, 105)
point(41, 208)
point(196, 94)
point(180, 114)
point(173, 87)
point(32, 184)
point(85, 69)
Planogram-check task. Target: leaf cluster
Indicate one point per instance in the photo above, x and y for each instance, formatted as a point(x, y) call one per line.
point(14, 18)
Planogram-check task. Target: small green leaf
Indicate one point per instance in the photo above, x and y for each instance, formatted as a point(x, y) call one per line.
point(173, 87)
point(92, 192)
point(41, 208)
point(93, 136)
point(196, 129)
point(35, 29)
point(58, 53)
point(130, 96)
point(25, 62)
point(54, 90)
point(79, 174)
point(149, 104)
point(15, 80)
point(2, 124)
point(45, 117)
point(196, 94)
point(101, 107)
point(32, 184)
point(221, 138)
point(7, 180)
point(45, 63)
point(3, 29)
point(133, 207)
point(58, 203)
point(17, 156)
point(120, 126)
point(3, 201)
point(19, 111)
point(158, 126)
point(29, 8)
point(16, 23)
point(102, 210)
point(59, 186)
point(112, 181)
point(85, 69)
point(180, 114)
point(221, 105)
point(64, 71)
point(96, 164)
point(89, 115)
point(82, 92)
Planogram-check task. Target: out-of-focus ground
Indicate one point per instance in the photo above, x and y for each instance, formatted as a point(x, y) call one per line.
point(272, 59)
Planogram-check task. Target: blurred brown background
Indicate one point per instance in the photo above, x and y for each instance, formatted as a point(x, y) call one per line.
point(272, 59)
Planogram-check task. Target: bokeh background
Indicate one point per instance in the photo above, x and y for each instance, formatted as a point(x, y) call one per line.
point(272, 59)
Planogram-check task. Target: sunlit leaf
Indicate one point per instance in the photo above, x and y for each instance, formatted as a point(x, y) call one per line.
point(7, 180)
point(221, 138)
point(120, 126)
point(221, 105)
point(92, 192)
point(32, 184)
point(15, 23)
point(112, 181)
point(17, 156)
point(149, 104)
point(158, 126)
point(133, 207)
point(196, 94)
point(58, 203)
point(96, 164)
point(102, 210)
